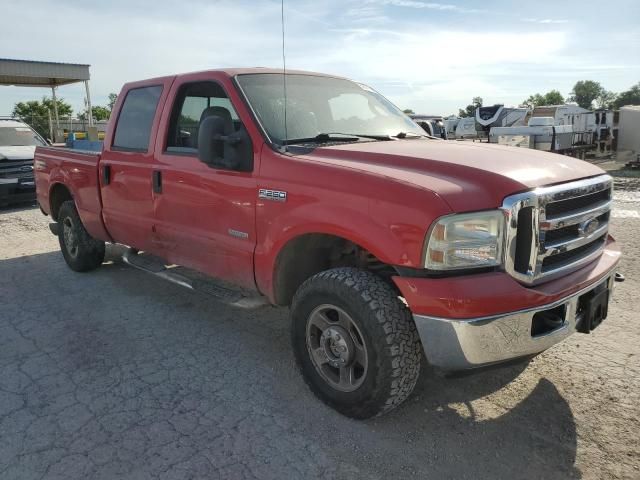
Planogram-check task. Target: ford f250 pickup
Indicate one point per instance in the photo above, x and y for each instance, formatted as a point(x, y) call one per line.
point(391, 248)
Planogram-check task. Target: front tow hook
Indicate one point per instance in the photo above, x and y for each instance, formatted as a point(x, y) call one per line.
point(619, 277)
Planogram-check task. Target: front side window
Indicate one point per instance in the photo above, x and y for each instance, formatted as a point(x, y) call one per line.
point(19, 137)
point(136, 118)
point(321, 105)
point(195, 102)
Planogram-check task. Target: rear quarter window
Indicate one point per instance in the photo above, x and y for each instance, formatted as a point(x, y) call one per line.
point(133, 129)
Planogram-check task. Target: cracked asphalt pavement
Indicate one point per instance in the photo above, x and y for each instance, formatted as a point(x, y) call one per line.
point(115, 374)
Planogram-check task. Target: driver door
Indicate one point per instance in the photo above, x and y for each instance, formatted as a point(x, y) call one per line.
point(204, 216)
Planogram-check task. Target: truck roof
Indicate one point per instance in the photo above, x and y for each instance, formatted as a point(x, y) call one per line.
point(232, 72)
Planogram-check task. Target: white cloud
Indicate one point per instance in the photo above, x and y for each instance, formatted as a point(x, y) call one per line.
point(404, 48)
point(443, 7)
point(544, 21)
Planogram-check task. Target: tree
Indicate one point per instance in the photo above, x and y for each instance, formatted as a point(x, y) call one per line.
point(629, 97)
point(408, 111)
point(470, 110)
point(98, 112)
point(553, 97)
point(605, 99)
point(585, 92)
point(112, 101)
point(36, 113)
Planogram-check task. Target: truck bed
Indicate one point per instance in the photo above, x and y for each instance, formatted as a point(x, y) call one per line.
point(60, 171)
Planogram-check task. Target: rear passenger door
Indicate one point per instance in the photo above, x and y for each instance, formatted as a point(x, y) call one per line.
point(126, 166)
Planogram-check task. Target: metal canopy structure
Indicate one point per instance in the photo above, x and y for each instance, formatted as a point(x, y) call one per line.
point(28, 73)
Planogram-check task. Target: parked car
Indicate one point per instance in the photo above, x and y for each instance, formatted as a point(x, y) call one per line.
point(18, 142)
point(383, 242)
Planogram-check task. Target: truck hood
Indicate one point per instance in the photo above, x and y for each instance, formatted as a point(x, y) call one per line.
point(467, 175)
point(18, 152)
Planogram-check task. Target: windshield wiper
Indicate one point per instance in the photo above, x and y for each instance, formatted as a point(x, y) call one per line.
point(409, 135)
point(335, 137)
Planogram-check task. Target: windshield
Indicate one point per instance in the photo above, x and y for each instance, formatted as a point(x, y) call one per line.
point(322, 105)
point(19, 137)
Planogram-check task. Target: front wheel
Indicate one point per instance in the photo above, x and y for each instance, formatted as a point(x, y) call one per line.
point(355, 342)
point(80, 250)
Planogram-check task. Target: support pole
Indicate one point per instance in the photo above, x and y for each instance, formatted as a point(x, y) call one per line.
point(51, 135)
point(90, 113)
point(55, 112)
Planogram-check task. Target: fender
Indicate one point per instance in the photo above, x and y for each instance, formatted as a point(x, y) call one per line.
point(397, 243)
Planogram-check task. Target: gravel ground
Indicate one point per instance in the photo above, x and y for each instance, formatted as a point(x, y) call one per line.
point(116, 374)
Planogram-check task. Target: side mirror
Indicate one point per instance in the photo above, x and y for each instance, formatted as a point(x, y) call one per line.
point(219, 147)
point(49, 142)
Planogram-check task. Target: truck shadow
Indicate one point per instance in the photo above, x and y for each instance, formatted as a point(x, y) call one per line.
point(509, 434)
point(488, 425)
point(18, 207)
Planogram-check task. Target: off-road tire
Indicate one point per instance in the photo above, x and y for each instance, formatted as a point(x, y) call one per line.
point(89, 252)
point(392, 343)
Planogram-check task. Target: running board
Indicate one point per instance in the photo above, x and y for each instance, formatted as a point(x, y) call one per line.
point(221, 291)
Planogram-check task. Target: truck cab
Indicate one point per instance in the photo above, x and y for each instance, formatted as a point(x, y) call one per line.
point(387, 245)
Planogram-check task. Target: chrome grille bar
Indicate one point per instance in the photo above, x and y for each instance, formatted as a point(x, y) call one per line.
point(576, 218)
point(580, 208)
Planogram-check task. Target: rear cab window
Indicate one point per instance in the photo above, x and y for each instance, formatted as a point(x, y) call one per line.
point(133, 129)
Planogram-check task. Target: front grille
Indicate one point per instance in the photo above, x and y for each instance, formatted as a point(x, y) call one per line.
point(569, 256)
point(16, 168)
point(555, 230)
point(564, 207)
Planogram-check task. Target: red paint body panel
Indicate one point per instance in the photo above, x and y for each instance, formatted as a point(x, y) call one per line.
point(382, 196)
point(495, 293)
point(128, 209)
point(78, 171)
point(390, 219)
point(199, 204)
point(458, 171)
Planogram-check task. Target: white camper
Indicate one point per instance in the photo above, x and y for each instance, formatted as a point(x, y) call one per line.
point(629, 129)
point(499, 116)
point(539, 134)
point(466, 128)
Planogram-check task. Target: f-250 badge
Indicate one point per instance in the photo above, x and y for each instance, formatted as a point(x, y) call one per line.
point(275, 195)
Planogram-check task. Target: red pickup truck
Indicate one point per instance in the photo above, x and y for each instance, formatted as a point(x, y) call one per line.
point(385, 243)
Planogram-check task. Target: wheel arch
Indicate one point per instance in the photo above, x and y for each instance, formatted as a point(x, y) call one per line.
point(58, 194)
point(306, 254)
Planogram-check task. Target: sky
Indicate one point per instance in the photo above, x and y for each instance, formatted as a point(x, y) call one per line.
point(430, 57)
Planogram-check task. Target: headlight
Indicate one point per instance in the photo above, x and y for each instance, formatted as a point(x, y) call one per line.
point(465, 240)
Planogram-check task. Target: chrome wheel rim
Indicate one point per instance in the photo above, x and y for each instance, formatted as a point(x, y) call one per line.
point(337, 348)
point(70, 238)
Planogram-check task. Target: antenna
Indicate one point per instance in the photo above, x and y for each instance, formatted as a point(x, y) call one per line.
point(284, 77)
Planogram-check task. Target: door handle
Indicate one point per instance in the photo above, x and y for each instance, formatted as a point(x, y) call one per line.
point(106, 174)
point(157, 181)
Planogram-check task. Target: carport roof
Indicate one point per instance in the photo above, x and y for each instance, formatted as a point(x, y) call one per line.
point(28, 73)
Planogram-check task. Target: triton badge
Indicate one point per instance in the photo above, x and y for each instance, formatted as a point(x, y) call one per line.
point(238, 233)
point(275, 195)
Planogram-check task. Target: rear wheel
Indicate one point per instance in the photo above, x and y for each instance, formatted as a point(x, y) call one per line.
point(355, 342)
point(81, 251)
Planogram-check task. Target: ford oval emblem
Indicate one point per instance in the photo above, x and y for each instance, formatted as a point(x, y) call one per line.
point(26, 168)
point(588, 227)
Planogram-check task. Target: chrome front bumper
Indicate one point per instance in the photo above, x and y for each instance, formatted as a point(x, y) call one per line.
point(452, 344)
